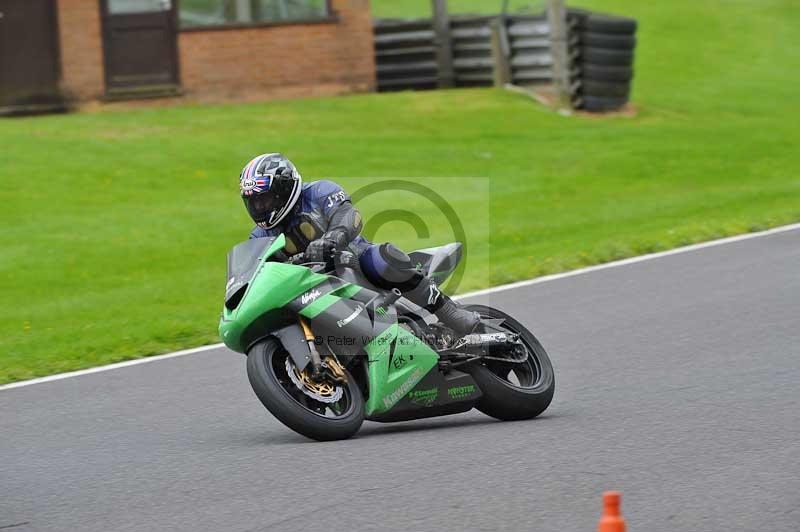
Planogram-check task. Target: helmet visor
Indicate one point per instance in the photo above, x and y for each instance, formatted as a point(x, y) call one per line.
point(261, 206)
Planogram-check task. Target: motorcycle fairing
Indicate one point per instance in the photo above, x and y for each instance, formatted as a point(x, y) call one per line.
point(242, 326)
point(318, 299)
point(437, 394)
point(397, 361)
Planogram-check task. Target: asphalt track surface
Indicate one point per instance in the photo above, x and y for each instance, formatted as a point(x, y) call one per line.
point(678, 383)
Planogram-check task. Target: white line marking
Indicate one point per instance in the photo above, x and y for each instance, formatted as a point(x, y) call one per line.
point(632, 260)
point(98, 369)
point(510, 286)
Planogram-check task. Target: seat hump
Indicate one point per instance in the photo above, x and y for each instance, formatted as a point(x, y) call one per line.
point(438, 262)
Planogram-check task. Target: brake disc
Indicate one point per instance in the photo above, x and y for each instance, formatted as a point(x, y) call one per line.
point(324, 392)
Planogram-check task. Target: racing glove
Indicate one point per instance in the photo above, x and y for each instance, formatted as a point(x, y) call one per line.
point(344, 226)
point(321, 250)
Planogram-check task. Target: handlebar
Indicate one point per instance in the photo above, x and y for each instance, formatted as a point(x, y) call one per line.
point(344, 258)
point(298, 259)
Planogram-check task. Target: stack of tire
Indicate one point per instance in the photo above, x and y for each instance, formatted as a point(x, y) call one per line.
point(601, 50)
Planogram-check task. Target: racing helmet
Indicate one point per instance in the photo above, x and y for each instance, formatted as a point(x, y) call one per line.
point(270, 186)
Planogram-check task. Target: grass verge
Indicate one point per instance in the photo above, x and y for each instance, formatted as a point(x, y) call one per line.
point(114, 226)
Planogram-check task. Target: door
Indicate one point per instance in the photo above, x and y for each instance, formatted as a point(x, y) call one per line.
point(140, 44)
point(29, 57)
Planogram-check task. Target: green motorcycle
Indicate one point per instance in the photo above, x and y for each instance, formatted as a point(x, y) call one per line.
point(327, 349)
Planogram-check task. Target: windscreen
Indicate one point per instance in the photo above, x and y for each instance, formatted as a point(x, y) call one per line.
point(242, 263)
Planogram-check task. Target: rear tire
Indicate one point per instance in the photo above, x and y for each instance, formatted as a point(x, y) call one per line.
point(505, 400)
point(264, 363)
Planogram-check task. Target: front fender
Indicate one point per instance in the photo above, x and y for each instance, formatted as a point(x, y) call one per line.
point(294, 341)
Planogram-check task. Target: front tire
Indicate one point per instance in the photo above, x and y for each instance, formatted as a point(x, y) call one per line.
point(266, 369)
point(514, 391)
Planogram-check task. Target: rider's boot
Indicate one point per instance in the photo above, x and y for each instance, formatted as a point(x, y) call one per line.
point(451, 314)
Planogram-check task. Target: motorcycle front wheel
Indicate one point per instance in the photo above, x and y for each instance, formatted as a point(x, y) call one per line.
point(323, 412)
point(513, 391)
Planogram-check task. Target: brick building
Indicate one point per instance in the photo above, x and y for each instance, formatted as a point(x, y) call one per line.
point(83, 50)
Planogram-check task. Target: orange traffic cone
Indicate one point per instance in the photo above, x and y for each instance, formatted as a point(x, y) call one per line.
point(612, 520)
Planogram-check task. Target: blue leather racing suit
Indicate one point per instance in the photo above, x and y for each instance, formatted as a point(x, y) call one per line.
point(324, 207)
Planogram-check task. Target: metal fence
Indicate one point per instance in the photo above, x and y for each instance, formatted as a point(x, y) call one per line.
point(406, 52)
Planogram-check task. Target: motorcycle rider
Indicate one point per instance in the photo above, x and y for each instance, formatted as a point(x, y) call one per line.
point(318, 217)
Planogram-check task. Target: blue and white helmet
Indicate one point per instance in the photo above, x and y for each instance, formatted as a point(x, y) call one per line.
point(270, 186)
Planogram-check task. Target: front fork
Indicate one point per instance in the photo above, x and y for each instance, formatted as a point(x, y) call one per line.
point(318, 367)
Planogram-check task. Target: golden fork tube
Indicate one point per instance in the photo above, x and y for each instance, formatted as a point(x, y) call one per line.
point(316, 360)
point(306, 329)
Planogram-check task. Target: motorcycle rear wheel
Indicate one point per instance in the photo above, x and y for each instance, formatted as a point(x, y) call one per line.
point(514, 391)
point(266, 369)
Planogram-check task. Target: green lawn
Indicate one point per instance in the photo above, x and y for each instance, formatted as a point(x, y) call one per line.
point(114, 226)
